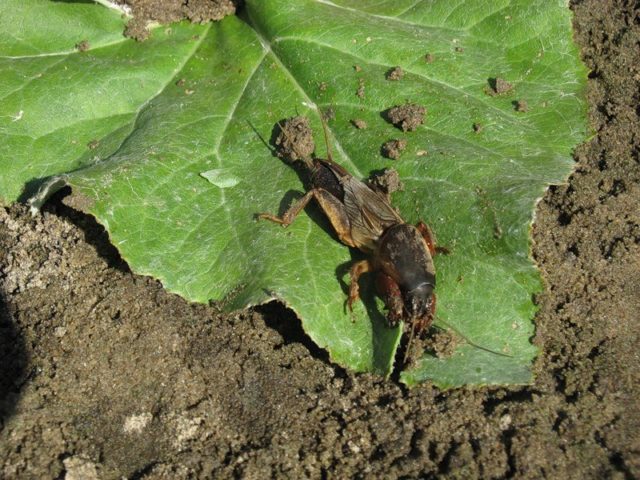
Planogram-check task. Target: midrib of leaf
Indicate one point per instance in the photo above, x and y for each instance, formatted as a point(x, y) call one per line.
point(268, 46)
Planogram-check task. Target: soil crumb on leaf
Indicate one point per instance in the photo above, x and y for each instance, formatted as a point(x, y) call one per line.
point(429, 58)
point(359, 123)
point(395, 74)
point(360, 90)
point(167, 11)
point(521, 106)
point(393, 148)
point(387, 181)
point(295, 139)
point(407, 117)
point(82, 46)
point(477, 127)
point(442, 343)
point(498, 86)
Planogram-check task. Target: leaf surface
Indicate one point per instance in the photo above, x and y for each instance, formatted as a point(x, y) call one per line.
point(166, 142)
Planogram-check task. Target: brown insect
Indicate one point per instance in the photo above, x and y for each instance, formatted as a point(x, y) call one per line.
point(400, 254)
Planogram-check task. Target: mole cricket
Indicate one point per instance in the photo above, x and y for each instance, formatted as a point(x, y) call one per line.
point(400, 254)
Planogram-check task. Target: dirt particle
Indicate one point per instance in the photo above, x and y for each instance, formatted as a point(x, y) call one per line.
point(387, 181)
point(477, 127)
point(197, 11)
point(79, 468)
point(137, 423)
point(295, 139)
point(521, 106)
point(359, 123)
point(442, 343)
point(406, 117)
point(393, 148)
point(93, 144)
point(429, 58)
point(82, 46)
point(459, 49)
point(360, 90)
point(505, 422)
point(357, 68)
point(328, 114)
point(498, 86)
point(180, 82)
point(189, 91)
point(322, 86)
point(422, 153)
point(395, 74)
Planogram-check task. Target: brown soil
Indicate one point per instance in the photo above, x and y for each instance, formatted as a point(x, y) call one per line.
point(359, 123)
point(393, 148)
point(105, 375)
point(167, 11)
point(386, 181)
point(498, 86)
point(406, 117)
point(294, 139)
point(395, 74)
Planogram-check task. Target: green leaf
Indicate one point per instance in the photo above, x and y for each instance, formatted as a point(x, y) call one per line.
point(163, 141)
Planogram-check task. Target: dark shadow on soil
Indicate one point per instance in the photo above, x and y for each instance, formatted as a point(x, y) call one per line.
point(13, 362)
point(94, 232)
point(284, 321)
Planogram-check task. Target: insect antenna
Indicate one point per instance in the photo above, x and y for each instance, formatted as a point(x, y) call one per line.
point(326, 137)
point(473, 344)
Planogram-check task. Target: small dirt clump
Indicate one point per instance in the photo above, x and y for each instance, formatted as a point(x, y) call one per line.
point(521, 106)
point(359, 123)
point(407, 117)
point(395, 74)
point(197, 11)
point(477, 127)
point(429, 58)
point(442, 343)
point(386, 181)
point(393, 148)
point(498, 86)
point(82, 46)
point(295, 139)
point(360, 90)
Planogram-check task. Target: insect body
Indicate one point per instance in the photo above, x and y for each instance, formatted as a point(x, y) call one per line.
point(400, 254)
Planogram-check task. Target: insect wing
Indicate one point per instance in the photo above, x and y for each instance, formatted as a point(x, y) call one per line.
point(369, 212)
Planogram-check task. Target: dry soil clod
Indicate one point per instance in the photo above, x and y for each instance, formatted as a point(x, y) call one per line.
point(295, 139)
point(498, 86)
point(387, 181)
point(521, 106)
point(359, 123)
point(82, 46)
point(395, 74)
point(393, 148)
point(407, 117)
point(360, 91)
